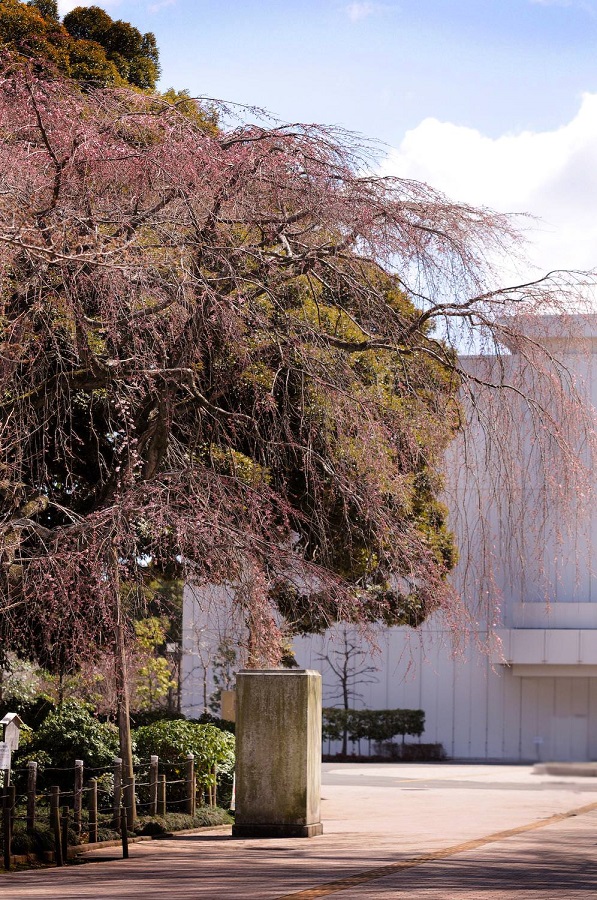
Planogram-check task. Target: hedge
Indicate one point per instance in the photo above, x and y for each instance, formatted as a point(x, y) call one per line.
point(372, 724)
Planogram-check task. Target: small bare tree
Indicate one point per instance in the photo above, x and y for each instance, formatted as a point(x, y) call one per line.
point(349, 662)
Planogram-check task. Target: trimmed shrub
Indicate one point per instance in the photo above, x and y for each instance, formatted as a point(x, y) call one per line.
point(173, 740)
point(413, 752)
point(372, 724)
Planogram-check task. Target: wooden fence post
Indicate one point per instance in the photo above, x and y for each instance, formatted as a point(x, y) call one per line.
point(65, 817)
point(78, 795)
point(162, 795)
point(129, 800)
point(55, 823)
point(93, 824)
point(153, 785)
point(117, 803)
point(54, 800)
point(190, 784)
point(6, 826)
point(212, 788)
point(31, 794)
point(124, 832)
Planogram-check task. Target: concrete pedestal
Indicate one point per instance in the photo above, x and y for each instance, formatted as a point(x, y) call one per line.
point(278, 753)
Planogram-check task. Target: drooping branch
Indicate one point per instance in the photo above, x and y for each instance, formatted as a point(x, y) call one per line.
point(235, 354)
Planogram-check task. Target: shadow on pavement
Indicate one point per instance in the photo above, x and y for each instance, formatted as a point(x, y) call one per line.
point(537, 874)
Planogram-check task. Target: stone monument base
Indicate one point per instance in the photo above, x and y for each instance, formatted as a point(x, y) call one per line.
point(278, 754)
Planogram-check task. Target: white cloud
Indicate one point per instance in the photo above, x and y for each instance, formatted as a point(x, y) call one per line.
point(357, 11)
point(551, 174)
point(159, 5)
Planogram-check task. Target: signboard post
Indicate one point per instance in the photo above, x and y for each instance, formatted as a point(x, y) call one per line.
point(11, 727)
point(5, 762)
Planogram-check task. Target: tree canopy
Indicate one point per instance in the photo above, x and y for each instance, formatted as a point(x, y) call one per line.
point(135, 55)
point(88, 46)
point(210, 367)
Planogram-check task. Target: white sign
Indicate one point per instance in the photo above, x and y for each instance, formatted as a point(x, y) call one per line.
point(11, 725)
point(4, 756)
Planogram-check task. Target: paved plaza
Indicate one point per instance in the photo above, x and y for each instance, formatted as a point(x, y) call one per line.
point(426, 832)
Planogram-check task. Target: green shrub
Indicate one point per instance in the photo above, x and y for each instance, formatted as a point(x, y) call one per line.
point(40, 839)
point(23, 843)
point(69, 732)
point(173, 740)
point(107, 834)
point(417, 752)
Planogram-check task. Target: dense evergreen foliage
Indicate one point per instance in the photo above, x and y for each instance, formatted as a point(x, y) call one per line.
point(88, 46)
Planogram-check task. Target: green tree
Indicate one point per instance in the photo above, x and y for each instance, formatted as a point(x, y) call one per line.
point(135, 55)
point(153, 671)
point(88, 23)
point(88, 46)
point(48, 8)
point(211, 363)
point(27, 29)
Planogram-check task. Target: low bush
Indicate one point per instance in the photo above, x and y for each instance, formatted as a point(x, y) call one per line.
point(204, 817)
point(40, 839)
point(417, 752)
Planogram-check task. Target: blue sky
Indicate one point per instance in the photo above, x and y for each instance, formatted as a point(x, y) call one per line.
point(490, 100)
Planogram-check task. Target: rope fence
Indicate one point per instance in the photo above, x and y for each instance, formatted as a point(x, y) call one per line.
point(92, 807)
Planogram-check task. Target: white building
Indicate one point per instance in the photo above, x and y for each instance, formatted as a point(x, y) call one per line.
point(535, 697)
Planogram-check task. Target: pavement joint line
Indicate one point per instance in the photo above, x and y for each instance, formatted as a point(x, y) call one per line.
point(344, 884)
